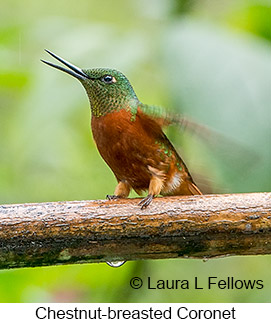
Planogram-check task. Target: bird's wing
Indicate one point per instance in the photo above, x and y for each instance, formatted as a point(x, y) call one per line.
point(153, 112)
point(165, 118)
point(211, 137)
point(230, 151)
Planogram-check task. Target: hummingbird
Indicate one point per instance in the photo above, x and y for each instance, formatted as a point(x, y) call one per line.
point(129, 136)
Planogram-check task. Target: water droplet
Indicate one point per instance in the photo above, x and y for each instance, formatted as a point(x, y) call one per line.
point(116, 264)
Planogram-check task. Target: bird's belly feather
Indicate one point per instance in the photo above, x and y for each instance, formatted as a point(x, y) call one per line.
point(126, 148)
point(131, 149)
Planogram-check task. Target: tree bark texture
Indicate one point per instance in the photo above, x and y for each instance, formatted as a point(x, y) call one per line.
point(42, 234)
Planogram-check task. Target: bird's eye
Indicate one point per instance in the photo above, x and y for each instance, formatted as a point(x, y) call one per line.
point(108, 79)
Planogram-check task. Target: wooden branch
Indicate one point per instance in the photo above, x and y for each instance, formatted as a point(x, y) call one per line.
point(53, 233)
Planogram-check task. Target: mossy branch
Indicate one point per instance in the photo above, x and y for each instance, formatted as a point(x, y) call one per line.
point(42, 234)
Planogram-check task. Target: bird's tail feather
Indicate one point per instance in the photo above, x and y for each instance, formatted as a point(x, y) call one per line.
point(194, 189)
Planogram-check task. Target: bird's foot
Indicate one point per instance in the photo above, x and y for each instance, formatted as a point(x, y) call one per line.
point(146, 201)
point(112, 197)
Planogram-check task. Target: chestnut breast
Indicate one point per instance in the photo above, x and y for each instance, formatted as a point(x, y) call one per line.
point(128, 145)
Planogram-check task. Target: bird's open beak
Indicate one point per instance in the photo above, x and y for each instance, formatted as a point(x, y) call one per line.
point(74, 71)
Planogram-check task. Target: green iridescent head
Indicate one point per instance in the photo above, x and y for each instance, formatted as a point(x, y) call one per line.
point(108, 90)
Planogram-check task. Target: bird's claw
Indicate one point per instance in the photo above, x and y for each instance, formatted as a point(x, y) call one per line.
point(146, 201)
point(112, 197)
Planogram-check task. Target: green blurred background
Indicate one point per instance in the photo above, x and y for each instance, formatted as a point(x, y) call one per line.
point(210, 60)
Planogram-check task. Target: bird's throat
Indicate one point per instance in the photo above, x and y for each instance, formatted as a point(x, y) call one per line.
point(103, 102)
point(102, 106)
